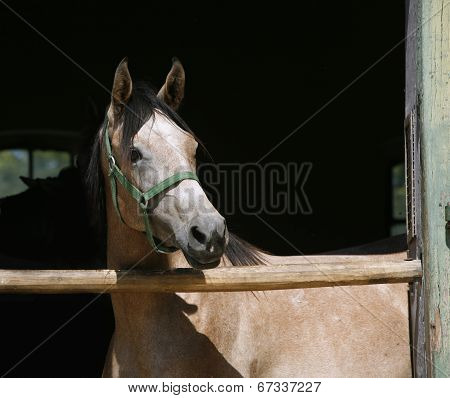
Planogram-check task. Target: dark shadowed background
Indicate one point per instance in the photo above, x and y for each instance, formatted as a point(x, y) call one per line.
point(253, 75)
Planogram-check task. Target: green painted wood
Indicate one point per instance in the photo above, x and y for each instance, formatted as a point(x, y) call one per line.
point(433, 88)
point(413, 185)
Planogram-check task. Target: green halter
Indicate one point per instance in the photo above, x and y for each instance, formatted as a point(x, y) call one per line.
point(141, 197)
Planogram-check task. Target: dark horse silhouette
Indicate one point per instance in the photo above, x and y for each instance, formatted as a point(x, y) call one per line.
point(47, 226)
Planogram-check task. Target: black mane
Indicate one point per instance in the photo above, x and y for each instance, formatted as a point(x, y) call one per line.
point(141, 107)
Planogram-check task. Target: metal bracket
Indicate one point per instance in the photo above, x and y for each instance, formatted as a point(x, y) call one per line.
point(447, 216)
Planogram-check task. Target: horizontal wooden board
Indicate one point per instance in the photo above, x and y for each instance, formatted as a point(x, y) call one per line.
point(315, 271)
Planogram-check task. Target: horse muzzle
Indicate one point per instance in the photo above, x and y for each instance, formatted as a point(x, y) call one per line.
point(206, 243)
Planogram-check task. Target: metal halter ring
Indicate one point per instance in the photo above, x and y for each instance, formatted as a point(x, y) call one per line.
point(143, 203)
point(112, 164)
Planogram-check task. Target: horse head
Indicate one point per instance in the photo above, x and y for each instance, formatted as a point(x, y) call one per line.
point(151, 160)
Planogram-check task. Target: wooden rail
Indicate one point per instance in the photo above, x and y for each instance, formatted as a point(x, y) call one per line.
point(316, 271)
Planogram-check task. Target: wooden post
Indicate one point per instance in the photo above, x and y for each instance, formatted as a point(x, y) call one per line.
point(427, 96)
point(413, 183)
point(312, 271)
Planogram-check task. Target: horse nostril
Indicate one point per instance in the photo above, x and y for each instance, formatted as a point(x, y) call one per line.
point(198, 235)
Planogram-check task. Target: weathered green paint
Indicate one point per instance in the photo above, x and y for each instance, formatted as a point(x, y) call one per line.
point(433, 89)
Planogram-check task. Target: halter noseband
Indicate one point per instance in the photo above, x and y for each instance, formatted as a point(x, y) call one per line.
point(141, 197)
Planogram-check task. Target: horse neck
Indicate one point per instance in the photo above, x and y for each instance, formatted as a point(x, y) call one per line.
point(127, 247)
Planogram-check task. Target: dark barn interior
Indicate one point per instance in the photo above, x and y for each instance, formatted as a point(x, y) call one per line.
point(253, 76)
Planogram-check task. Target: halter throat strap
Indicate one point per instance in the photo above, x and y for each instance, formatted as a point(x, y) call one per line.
point(142, 198)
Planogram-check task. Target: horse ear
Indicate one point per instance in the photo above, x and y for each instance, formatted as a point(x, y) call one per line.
point(29, 182)
point(122, 86)
point(172, 92)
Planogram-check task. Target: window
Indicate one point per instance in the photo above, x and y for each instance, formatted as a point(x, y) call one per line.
point(15, 163)
point(398, 200)
point(49, 163)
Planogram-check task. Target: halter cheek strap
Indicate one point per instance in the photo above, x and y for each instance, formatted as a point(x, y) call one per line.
point(142, 198)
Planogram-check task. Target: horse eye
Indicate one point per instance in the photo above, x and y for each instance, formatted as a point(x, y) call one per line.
point(135, 155)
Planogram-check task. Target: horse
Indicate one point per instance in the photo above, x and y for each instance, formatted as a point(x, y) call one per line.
point(142, 181)
point(42, 211)
point(48, 225)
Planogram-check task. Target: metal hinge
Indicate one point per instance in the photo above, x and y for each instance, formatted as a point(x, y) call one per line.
point(447, 216)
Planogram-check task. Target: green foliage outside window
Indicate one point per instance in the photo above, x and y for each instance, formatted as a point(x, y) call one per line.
point(14, 163)
point(49, 163)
